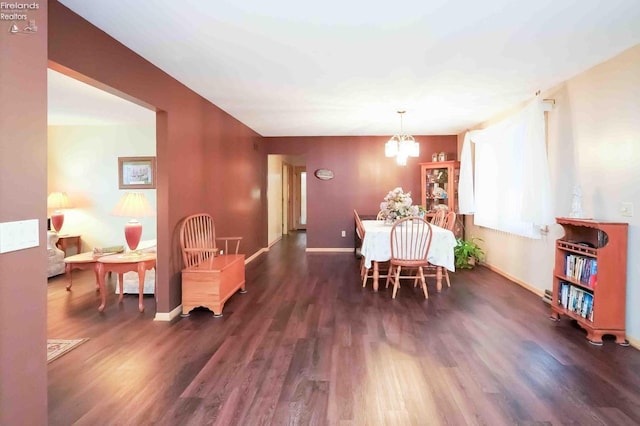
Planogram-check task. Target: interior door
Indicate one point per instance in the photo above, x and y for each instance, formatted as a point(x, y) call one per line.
point(299, 197)
point(286, 198)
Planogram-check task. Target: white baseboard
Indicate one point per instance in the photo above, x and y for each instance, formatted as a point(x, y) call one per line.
point(256, 254)
point(634, 342)
point(499, 271)
point(164, 316)
point(329, 250)
point(275, 241)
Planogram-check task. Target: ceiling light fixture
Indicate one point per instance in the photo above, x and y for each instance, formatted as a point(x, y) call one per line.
point(402, 146)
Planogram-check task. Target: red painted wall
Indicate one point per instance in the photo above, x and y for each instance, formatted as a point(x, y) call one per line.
point(363, 176)
point(23, 195)
point(235, 182)
point(199, 147)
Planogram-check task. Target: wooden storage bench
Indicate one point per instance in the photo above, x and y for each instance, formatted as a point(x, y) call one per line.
point(211, 282)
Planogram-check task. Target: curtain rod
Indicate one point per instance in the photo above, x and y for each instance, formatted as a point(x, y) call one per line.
point(549, 101)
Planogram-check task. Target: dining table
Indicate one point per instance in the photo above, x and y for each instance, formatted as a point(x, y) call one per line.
point(376, 247)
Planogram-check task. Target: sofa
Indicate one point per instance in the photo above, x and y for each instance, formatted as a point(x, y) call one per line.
point(55, 259)
point(130, 279)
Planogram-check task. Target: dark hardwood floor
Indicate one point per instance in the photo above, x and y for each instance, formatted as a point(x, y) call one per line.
point(307, 345)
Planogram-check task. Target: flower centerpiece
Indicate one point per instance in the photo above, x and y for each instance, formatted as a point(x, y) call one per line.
point(397, 205)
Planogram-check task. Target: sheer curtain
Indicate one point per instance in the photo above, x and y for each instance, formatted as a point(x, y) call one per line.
point(512, 190)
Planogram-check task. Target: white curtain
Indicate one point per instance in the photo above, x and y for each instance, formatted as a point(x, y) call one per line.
point(512, 190)
point(466, 199)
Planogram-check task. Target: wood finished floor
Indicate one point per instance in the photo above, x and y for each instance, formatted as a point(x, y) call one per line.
point(307, 345)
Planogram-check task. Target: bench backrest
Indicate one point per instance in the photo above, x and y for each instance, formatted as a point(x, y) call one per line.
point(197, 239)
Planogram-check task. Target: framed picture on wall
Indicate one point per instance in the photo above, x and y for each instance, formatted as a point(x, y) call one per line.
point(137, 172)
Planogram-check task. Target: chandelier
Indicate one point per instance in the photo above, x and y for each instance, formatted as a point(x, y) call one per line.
point(402, 146)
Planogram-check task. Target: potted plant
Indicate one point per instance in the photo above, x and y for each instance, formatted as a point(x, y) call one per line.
point(467, 253)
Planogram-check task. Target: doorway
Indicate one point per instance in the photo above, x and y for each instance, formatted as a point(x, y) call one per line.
point(89, 130)
point(286, 195)
point(294, 196)
point(299, 197)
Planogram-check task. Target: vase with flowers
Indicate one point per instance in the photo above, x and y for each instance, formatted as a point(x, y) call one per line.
point(397, 205)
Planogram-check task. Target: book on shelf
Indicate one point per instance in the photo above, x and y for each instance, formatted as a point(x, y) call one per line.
point(564, 294)
point(576, 300)
point(582, 269)
point(603, 238)
point(587, 305)
point(593, 275)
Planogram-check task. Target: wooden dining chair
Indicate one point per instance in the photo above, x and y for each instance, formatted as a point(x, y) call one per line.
point(366, 273)
point(448, 223)
point(410, 242)
point(360, 234)
point(439, 217)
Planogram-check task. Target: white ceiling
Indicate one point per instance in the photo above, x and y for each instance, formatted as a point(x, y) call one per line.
point(73, 103)
point(286, 67)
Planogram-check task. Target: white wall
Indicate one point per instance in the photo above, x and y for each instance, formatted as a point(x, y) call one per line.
point(593, 141)
point(274, 197)
point(83, 162)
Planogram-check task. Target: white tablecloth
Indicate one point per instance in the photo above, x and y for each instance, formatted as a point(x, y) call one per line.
point(376, 245)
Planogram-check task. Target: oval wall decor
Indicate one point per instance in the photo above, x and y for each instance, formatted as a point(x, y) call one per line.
point(323, 174)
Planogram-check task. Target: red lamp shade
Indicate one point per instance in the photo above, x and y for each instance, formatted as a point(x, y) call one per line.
point(133, 204)
point(57, 201)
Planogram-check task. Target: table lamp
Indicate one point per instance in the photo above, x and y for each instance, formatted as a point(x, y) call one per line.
point(133, 205)
point(57, 201)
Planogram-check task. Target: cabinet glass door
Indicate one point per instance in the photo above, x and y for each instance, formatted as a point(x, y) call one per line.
point(436, 188)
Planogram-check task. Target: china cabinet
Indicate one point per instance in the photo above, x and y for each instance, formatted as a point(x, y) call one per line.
point(439, 185)
point(439, 188)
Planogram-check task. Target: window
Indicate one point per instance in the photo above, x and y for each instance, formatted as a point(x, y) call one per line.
point(512, 190)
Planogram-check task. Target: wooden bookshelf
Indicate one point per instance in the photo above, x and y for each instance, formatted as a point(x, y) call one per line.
point(590, 277)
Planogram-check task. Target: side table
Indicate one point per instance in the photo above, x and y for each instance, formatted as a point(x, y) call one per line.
point(68, 241)
point(81, 261)
point(121, 263)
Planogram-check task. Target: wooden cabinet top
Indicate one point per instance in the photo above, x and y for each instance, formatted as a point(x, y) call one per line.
point(436, 164)
point(591, 223)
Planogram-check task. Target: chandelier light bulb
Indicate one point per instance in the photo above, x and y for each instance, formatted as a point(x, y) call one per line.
point(391, 148)
point(402, 146)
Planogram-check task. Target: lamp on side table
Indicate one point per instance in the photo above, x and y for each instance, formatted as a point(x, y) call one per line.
point(133, 205)
point(57, 201)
